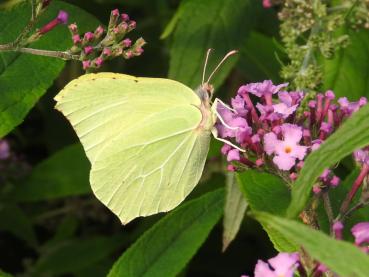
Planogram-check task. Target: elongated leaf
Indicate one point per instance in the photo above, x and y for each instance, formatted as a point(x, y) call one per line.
point(25, 78)
point(73, 255)
point(166, 247)
point(234, 210)
point(3, 274)
point(266, 192)
point(353, 134)
point(218, 24)
point(341, 257)
point(63, 174)
point(346, 74)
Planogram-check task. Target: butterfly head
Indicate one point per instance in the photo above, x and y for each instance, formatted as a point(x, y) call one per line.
point(206, 90)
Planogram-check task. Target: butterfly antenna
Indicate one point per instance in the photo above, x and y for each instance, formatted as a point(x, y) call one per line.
point(221, 62)
point(205, 65)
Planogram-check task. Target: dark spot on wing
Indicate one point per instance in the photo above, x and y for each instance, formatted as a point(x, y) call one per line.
point(136, 81)
point(114, 78)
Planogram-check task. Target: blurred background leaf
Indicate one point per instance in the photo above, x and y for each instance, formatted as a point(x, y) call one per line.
point(63, 174)
point(168, 246)
point(347, 73)
point(216, 24)
point(25, 78)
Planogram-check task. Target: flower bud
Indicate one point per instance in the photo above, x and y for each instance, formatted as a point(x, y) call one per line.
point(62, 18)
point(86, 64)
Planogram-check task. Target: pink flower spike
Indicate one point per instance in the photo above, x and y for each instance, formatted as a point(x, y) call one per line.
point(231, 168)
point(361, 233)
point(88, 50)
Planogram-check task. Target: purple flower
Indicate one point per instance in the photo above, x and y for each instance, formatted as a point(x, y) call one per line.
point(4, 149)
point(361, 233)
point(337, 229)
point(287, 150)
point(234, 127)
point(238, 104)
point(62, 17)
point(284, 264)
point(261, 89)
point(362, 156)
point(351, 107)
point(233, 155)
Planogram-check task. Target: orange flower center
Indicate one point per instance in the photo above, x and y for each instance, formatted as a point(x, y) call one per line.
point(287, 149)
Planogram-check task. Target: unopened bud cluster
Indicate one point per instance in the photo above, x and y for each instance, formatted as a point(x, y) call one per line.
point(309, 29)
point(94, 48)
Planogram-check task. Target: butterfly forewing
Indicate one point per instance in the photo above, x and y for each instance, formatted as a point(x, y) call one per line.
point(142, 138)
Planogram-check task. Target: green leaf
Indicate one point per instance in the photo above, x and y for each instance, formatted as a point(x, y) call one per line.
point(24, 78)
point(218, 24)
point(258, 58)
point(234, 210)
point(4, 274)
point(343, 258)
point(73, 255)
point(167, 247)
point(353, 134)
point(15, 221)
point(347, 73)
point(266, 192)
point(63, 174)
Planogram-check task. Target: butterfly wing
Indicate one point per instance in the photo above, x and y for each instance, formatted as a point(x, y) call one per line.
point(142, 138)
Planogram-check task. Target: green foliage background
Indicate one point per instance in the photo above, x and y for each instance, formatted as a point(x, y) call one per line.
point(50, 222)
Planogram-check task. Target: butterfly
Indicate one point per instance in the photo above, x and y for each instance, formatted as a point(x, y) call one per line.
point(147, 139)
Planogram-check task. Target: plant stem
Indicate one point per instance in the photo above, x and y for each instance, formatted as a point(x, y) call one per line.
point(328, 207)
point(39, 52)
point(358, 206)
point(355, 186)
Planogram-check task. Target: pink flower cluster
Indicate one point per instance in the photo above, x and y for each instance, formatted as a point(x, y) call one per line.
point(284, 264)
point(94, 48)
point(281, 129)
